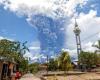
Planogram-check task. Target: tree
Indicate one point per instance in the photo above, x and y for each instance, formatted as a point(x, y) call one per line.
point(88, 59)
point(5, 47)
point(98, 45)
point(23, 66)
point(13, 51)
point(34, 67)
point(97, 51)
point(20, 49)
point(52, 65)
point(65, 61)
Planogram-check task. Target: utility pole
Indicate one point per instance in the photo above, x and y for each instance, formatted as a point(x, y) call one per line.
point(78, 41)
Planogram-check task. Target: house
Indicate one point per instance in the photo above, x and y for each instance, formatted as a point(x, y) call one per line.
point(7, 68)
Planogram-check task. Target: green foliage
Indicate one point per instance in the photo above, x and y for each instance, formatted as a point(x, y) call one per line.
point(34, 67)
point(98, 58)
point(23, 66)
point(14, 51)
point(52, 65)
point(64, 61)
point(88, 59)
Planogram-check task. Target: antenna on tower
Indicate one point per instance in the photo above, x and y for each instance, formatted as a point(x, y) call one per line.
point(76, 23)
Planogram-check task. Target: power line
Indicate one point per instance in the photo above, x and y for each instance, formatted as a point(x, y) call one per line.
point(87, 38)
point(90, 36)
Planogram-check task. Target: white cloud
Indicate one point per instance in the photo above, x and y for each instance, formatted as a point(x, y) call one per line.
point(28, 55)
point(35, 45)
point(29, 7)
point(70, 7)
point(72, 53)
point(86, 47)
point(47, 7)
point(31, 56)
point(89, 25)
point(99, 35)
point(93, 5)
point(1, 37)
point(35, 57)
point(90, 31)
point(34, 53)
point(32, 48)
point(89, 47)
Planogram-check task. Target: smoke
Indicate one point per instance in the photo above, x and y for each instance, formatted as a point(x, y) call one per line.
point(49, 17)
point(51, 33)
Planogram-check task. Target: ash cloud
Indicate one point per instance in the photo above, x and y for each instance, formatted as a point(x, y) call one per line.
point(51, 24)
point(51, 33)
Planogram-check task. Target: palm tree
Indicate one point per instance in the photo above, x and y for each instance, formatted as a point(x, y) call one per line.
point(65, 61)
point(97, 46)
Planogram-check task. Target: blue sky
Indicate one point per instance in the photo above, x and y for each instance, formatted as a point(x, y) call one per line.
point(15, 27)
point(48, 25)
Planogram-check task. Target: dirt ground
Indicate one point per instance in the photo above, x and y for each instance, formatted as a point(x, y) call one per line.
point(29, 76)
point(86, 76)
